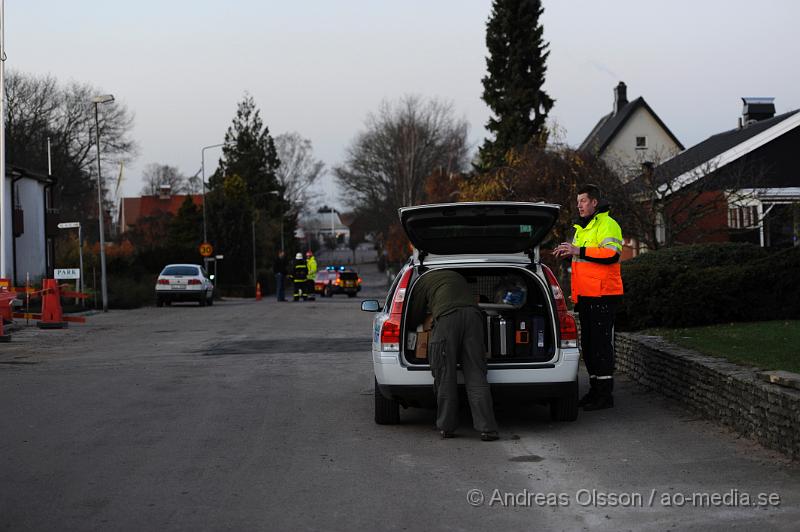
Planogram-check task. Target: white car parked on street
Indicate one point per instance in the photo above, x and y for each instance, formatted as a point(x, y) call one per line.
point(531, 339)
point(184, 282)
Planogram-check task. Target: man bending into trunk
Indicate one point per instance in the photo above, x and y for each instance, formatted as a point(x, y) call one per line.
point(457, 336)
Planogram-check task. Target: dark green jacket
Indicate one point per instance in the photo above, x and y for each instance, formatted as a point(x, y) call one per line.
point(438, 292)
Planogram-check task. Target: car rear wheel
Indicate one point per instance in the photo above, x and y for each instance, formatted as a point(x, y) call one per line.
point(387, 411)
point(565, 408)
point(210, 300)
point(159, 302)
point(328, 292)
point(203, 299)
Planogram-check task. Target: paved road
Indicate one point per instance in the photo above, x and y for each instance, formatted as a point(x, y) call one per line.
point(258, 416)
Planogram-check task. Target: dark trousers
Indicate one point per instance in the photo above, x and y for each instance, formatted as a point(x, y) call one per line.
point(300, 288)
point(597, 340)
point(458, 337)
point(279, 285)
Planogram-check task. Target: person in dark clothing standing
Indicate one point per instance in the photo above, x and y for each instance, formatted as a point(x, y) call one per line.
point(596, 289)
point(457, 336)
point(279, 269)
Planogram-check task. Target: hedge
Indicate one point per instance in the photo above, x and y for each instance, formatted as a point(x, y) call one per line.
point(710, 283)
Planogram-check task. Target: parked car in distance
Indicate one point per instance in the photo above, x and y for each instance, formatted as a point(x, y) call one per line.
point(337, 280)
point(530, 338)
point(184, 282)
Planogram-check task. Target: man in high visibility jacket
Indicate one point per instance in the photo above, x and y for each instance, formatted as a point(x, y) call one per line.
point(311, 262)
point(596, 289)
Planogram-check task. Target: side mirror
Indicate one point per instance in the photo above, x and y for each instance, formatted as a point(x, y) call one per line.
point(370, 305)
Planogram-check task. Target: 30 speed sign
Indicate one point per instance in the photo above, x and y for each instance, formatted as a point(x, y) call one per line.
point(206, 249)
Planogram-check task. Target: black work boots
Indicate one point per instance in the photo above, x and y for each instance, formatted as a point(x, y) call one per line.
point(599, 396)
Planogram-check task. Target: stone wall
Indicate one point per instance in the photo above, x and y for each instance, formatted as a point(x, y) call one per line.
point(719, 390)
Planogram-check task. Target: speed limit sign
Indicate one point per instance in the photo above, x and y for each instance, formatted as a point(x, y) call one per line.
point(206, 249)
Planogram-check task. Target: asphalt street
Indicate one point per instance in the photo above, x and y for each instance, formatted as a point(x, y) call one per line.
point(259, 416)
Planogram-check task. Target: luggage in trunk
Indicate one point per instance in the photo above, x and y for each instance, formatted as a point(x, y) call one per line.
point(516, 334)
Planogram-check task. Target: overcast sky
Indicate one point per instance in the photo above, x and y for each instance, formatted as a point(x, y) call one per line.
point(319, 67)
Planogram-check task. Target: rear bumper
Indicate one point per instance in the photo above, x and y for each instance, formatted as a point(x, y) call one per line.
point(179, 295)
point(413, 386)
point(421, 396)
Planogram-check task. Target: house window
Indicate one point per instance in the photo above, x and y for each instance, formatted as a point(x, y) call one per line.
point(641, 143)
point(743, 217)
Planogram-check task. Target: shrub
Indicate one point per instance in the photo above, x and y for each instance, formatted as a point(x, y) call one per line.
point(710, 283)
point(126, 292)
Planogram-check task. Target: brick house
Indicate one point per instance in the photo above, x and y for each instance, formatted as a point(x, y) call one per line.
point(132, 211)
point(747, 180)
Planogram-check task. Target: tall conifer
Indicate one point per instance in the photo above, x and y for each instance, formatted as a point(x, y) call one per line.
point(513, 86)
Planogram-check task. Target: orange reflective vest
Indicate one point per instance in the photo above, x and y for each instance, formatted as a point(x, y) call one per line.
point(596, 271)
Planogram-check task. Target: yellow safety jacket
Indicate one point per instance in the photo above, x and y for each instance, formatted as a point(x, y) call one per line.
point(596, 271)
point(312, 267)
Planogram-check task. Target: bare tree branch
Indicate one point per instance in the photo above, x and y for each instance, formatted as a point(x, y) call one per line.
point(298, 171)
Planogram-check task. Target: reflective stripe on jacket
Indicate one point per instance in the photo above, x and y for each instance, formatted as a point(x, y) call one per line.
point(300, 271)
point(596, 271)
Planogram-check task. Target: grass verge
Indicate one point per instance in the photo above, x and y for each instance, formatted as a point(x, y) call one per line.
point(765, 344)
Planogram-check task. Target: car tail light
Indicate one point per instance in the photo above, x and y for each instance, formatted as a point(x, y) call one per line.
point(195, 281)
point(567, 328)
point(359, 280)
point(390, 330)
point(163, 281)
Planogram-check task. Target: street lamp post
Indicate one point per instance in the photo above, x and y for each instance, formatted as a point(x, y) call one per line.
point(97, 100)
point(203, 170)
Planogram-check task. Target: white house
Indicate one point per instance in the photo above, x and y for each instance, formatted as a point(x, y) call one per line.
point(323, 225)
point(27, 225)
point(630, 135)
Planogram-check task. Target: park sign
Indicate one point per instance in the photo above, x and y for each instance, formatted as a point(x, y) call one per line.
point(67, 273)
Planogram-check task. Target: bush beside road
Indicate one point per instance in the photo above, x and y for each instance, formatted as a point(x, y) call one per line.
point(688, 286)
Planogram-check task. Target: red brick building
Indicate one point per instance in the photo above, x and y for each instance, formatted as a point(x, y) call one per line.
point(133, 210)
point(744, 183)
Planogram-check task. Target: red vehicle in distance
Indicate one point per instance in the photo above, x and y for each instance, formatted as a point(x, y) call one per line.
point(337, 280)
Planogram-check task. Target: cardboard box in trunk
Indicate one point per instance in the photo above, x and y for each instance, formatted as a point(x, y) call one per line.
point(424, 337)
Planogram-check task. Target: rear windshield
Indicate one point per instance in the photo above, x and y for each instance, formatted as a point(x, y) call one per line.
point(478, 238)
point(348, 276)
point(180, 270)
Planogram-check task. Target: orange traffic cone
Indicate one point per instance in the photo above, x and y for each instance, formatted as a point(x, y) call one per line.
point(258, 291)
point(52, 317)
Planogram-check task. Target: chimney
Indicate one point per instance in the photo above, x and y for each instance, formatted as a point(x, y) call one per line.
point(620, 96)
point(164, 191)
point(757, 109)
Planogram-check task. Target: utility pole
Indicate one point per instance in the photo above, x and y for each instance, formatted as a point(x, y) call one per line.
point(4, 226)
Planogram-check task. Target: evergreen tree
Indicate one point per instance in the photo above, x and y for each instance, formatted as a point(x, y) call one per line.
point(231, 214)
point(249, 152)
point(245, 196)
point(185, 228)
point(513, 86)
